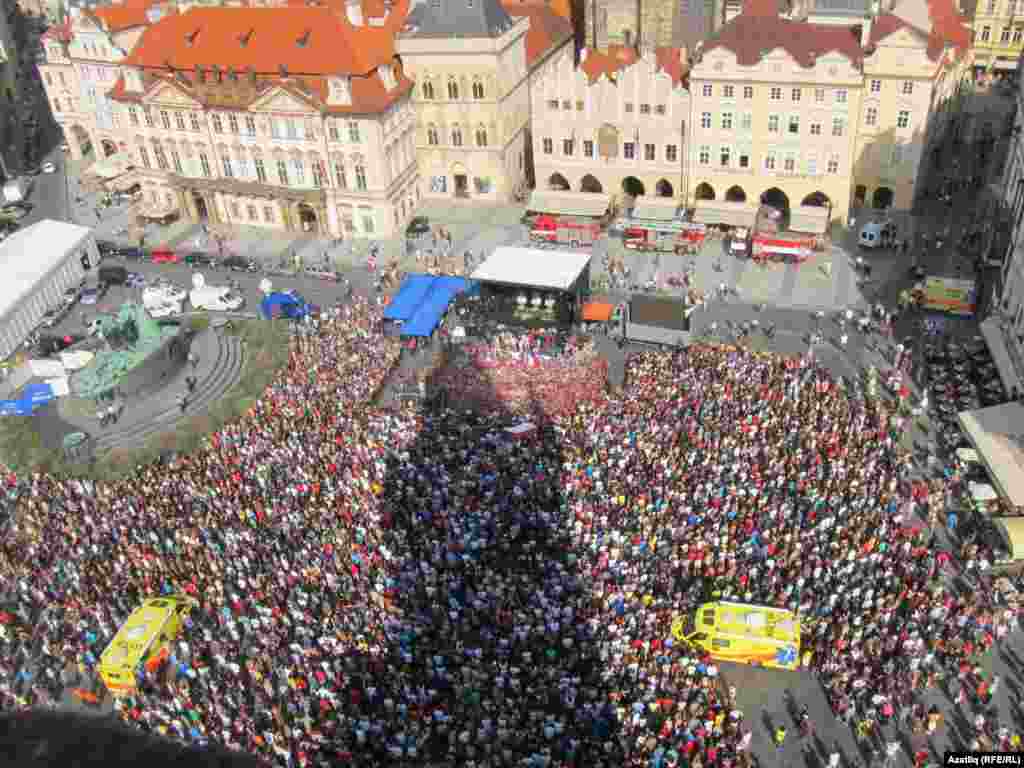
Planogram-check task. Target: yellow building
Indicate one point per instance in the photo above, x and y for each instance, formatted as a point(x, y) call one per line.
point(774, 110)
point(998, 28)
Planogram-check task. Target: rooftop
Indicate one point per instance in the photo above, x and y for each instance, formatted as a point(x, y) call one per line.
point(758, 31)
point(457, 18)
point(30, 254)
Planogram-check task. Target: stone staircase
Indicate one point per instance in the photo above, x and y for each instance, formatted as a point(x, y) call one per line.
point(216, 377)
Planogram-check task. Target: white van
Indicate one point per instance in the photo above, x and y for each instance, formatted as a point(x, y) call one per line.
point(215, 298)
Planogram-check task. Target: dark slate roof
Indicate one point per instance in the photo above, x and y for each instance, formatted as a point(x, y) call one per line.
point(457, 18)
point(690, 23)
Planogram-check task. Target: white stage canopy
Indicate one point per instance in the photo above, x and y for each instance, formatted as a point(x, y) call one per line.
point(513, 265)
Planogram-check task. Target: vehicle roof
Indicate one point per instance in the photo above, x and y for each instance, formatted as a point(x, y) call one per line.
point(750, 622)
point(136, 635)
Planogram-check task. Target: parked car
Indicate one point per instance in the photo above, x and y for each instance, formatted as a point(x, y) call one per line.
point(200, 259)
point(135, 280)
point(321, 273)
point(114, 275)
point(240, 264)
point(49, 167)
point(72, 295)
point(419, 225)
point(54, 316)
point(90, 296)
point(163, 256)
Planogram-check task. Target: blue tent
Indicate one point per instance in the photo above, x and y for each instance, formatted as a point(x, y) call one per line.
point(410, 296)
point(434, 305)
point(283, 305)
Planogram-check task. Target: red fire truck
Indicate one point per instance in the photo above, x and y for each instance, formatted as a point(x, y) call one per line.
point(565, 230)
point(667, 237)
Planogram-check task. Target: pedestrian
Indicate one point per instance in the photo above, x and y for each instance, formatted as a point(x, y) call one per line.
point(193, 359)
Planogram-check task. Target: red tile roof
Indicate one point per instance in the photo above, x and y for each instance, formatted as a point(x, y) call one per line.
point(305, 40)
point(671, 63)
point(125, 15)
point(60, 32)
point(615, 59)
point(749, 35)
point(547, 28)
point(948, 27)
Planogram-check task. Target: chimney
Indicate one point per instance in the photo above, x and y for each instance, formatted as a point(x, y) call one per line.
point(216, 72)
point(284, 72)
point(354, 12)
point(243, 39)
point(252, 74)
point(190, 38)
point(865, 32)
point(303, 41)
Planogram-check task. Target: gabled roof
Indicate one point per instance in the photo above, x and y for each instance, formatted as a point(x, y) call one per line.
point(125, 15)
point(547, 28)
point(304, 40)
point(757, 31)
point(943, 27)
point(457, 18)
point(670, 61)
point(608, 63)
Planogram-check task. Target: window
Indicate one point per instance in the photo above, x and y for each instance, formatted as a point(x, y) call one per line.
point(261, 171)
point(748, 91)
point(1004, 36)
point(897, 154)
point(588, 148)
point(746, 121)
point(671, 153)
point(478, 89)
point(773, 123)
point(819, 95)
point(794, 124)
point(367, 223)
point(796, 94)
point(318, 173)
point(876, 86)
point(456, 136)
point(481, 136)
point(645, 109)
point(871, 116)
point(161, 158)
point(250, 126)
point(629, 150)
point(340, 175)
point(165, 119)
point(567, 147)
point(233, 123)
point(727, 121)
point(291, 128)
point(49, 80)
point(815, 129)
point(566, 105)
point(236, 212)
point(133, 115)
point(553, 105)
point(628, 106)
point(903, 118)
point(775, 94)
point(789, 164)
point(179, 121)
point(908, 87)
point(56, 105)
point(360, 178)
point(282, 171)
point(453, 90)
point(194, 120)
point(579, 105)
point(707, 90)
point(812, 166)
point(268, 214)
point(724, 156)
point(744, 159)
point(144, 157)
point(1018, 34)
point(833, 165)
point(838, 124)
point(728, 91)
point(769, 161)
point(986, 34)
point(176, 160)
point(841, 96)
point(204, 164)
point(704, 155)
point(60, 76)
point(705, 119)
point(332, 131)
point(300, 171)
point(243, 166)
point(218, 125)
point(991, 5)
point(649, 153)
point(548, 146)
point(353, 132)
point(432, 137)
point(229, 171)
point(428, 90)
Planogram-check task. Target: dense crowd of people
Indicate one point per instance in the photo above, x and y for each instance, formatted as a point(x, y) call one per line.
point(388, 584)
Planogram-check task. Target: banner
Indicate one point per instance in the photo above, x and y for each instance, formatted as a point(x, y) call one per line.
point(947, 294)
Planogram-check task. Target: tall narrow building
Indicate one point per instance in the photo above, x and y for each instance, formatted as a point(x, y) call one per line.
point(655, 23)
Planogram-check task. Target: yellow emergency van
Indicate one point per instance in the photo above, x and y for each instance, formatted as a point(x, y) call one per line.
point(746, 634)
point(145, 636)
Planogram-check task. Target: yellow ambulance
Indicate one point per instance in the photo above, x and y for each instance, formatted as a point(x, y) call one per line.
point(747, 634)
point(145, 636)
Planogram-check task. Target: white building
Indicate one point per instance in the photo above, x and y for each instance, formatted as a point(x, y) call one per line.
point(39, 263)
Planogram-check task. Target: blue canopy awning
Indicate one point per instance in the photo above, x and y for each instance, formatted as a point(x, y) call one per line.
point(410, 296)
point(434, 305)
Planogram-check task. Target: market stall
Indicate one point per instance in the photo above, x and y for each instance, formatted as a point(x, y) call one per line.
point(725, 213)
point(997, 434)
point(586, 204)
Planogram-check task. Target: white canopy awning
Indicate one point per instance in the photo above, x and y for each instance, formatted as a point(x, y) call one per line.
point(725, 212)
point(997, 433)
point(532, 267)
point(812, 219)
point(569, 203)
point(656, 208)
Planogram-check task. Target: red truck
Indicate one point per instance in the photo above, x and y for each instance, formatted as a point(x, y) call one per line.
point(574, 232)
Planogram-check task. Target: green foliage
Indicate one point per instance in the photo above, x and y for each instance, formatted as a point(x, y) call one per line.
point(199, 322)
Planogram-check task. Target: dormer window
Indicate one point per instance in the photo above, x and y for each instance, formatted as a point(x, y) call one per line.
point(133, 80)
point(339, 91)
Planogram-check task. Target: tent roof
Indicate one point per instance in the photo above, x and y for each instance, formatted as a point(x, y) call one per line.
point(435, 303)
point(30, 254)
point(410, 295)
point(658, 209)
point(532, 267)
point(569, 203)
point(998, 435)
point(597, 311)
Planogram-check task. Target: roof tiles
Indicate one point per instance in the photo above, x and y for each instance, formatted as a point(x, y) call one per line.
point(751, 35)
point(547, 28)
point(125, 15)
